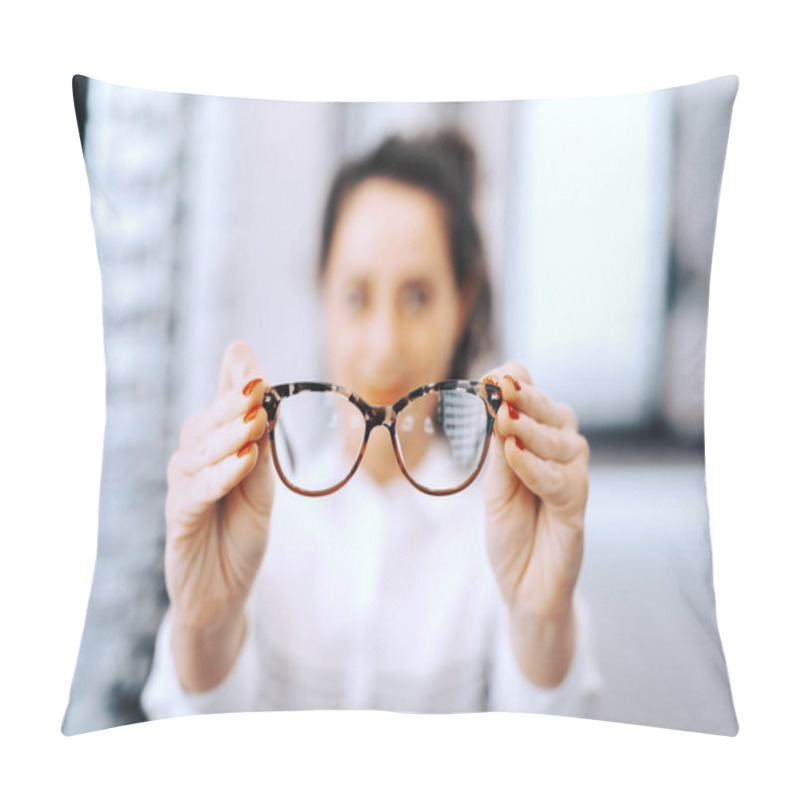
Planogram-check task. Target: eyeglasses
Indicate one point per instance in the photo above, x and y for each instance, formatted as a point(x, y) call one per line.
point(318, 434)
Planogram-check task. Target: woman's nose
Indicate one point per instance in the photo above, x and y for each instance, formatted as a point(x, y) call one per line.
point(385, 338)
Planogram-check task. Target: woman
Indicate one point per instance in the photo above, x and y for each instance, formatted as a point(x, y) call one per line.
point(378, 596)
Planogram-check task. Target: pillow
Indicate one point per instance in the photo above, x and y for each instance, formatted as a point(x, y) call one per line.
point(597, 217)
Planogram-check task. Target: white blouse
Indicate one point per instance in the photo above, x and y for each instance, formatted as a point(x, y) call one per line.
point(376, 598)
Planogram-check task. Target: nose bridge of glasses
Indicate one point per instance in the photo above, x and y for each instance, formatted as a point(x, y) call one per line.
point(378, 416)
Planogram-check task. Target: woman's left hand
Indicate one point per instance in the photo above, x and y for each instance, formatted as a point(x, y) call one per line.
point(536, 488)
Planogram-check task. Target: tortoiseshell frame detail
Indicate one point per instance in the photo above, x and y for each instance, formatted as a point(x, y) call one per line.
point(376, 416)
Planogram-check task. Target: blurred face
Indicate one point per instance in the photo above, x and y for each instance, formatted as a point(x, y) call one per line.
point(392, 311)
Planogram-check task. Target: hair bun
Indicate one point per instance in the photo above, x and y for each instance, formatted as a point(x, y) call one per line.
point(452, 146)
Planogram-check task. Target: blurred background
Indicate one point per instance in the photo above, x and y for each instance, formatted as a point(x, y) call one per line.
point(598, 216)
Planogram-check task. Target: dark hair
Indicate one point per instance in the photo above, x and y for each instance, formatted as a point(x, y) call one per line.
point(444, 164)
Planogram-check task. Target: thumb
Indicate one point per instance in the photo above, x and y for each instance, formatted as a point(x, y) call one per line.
point(240, 367)
point(501, 481)
point(259, 485)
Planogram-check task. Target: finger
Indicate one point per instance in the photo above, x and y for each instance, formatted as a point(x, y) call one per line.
point(223, 441)
point(547, 479)
point(225, 408)
point(239, 366)
point(215, 481)
point(511, 368)
point(547, 442)
point(533, 402)
point(191, 496)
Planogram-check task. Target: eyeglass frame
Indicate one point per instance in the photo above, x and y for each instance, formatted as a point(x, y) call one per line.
point(382, 415)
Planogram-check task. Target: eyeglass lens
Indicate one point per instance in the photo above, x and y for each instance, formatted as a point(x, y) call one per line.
point(453, 425)
point(318, 438)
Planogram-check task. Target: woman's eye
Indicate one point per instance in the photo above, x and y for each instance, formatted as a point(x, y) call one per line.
point(355, 299)
point(415, 298)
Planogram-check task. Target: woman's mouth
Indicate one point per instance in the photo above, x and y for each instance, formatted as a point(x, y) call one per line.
point(382, 397)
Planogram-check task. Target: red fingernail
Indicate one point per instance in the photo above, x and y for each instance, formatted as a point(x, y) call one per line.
point(250, 386)
point(492, 381)
point(244, 449)
point(514, 381)
point(518, 443)
point(512, 412)
point(251, 414)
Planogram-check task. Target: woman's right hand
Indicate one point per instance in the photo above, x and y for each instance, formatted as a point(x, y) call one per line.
point(220, 489)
